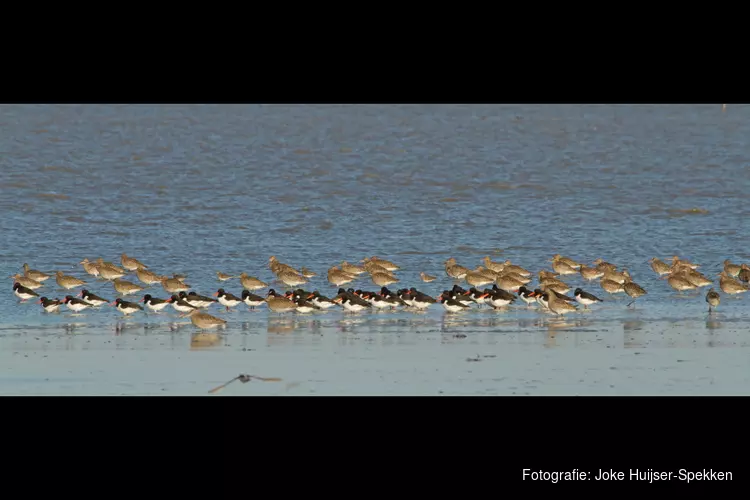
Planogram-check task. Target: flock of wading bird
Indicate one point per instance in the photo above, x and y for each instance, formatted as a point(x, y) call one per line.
point(508, 285)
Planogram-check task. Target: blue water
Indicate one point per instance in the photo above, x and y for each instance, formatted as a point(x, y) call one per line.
point(197, 189)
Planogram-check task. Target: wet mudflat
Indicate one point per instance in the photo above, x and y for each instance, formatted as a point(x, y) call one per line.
point(198, 189)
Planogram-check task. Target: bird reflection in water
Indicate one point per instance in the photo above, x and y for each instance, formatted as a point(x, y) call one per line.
point(632, 325)
point(128, 327)
point(73, 327)
point(450, 321)
point(175, 326)
point(348, 325)
point(203, 340)
point(550, 340)
point(281, 325)
point(555, 326)
point(630, 337)
point(713, 323)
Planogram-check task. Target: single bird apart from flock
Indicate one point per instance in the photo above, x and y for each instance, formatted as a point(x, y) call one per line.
point(713, 298)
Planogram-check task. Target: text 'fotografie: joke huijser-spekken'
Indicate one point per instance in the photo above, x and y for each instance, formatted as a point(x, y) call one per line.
point(648, 475)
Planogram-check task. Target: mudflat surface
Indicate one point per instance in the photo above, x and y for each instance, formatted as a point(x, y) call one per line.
point(200, 189)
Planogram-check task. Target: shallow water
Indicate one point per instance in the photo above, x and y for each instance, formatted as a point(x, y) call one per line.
point(197, 189)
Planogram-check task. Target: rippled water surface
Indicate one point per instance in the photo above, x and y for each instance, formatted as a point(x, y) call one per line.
point(202, 188)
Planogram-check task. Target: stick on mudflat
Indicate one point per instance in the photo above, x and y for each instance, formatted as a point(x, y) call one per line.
point(244, 378)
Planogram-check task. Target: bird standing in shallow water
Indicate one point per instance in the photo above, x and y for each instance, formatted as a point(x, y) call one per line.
point(34, 274)
point(252, 300)
point(126, 307)
point(227, 299)
point(633, 290)
point(203, 320)
point(585, 298)
point(713, 298)
point(730, 286)
point(155, 304)
point(426, 277)
point(23, 292)
point(50, 305)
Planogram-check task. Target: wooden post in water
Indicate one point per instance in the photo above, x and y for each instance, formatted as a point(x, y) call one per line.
point(723, 107)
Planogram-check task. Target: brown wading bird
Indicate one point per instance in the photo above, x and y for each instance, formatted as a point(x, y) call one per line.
point(291, 278)
point(67, 282)
point(558, 305)
point(492, 265)
point(110, 273)
point(383, 279)
point(590, 273)
point(744, 274)
point(426, 277)
point(566, 260)
point(101, 263)
point(34, 274)
point(453, 270)
point(307, 273)
point(203, 320)
point(561, 267)
point(90, 267)
point(337, 277)
point(279, 304)
point(148, 277)
point(660, 267)
point(603, 265)
point(352, 269)
point(125, 287)
point(713, 298)
point(27, 282)
point(512, 268)
point(678, 282)
point(131, 264)
point(387, 264)
point(174, 285)
point(476, 279)
point(633, 290)
point(610, 286)
point(251, 282)
point(732, 269)
point(729, 285)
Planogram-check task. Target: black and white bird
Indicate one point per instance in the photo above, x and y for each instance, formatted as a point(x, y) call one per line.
point(452, 305)
point(155, 304)
point(126, 307)
point(542, 298)
point(420, 300)
point(375, 300)
point(350, 304)
point(585, 298)
point(252, 300)
point(500, 298)
point(50, 305)
point(527, 296)
point(92, 299)
point(196, 300)
point(75, 304)
point(227, 300)
point(180, 305)
point(478, 297)
point(23, 293)
point(304, 306)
